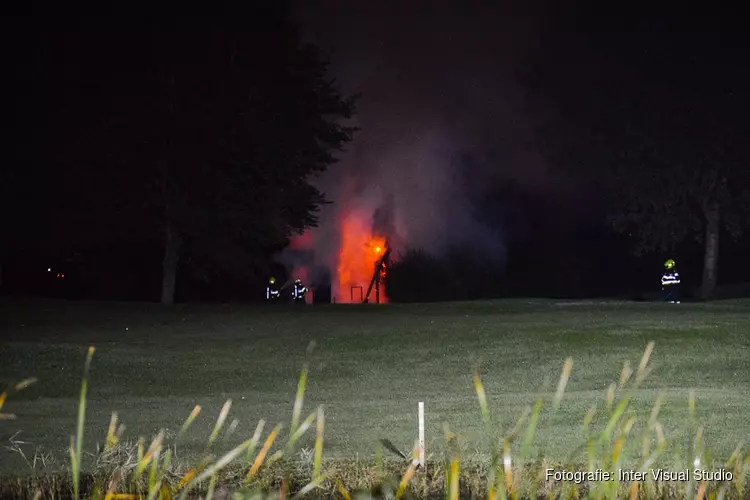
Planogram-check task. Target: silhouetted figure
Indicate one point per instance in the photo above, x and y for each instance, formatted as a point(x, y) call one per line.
point(298, 292)
point(272, 291)
point(670, 282)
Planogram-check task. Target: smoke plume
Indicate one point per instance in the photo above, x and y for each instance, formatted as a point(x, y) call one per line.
point(442, 119)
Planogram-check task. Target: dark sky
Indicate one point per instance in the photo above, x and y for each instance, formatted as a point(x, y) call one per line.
point(443, 114)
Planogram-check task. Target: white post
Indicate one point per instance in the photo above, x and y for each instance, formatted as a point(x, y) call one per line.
point(420, 456)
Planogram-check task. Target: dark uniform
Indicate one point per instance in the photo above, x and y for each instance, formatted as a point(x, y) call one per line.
point(298, 292)
point(272, 291)
point(670, 283)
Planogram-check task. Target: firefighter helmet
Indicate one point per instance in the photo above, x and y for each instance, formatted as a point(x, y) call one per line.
point(272, 280)
point(298, 281)
point(669, 264)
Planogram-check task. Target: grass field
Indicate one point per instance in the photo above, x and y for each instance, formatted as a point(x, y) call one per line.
point(371, 366)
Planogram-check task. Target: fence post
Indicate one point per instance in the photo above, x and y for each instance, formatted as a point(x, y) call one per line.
point(420, 449)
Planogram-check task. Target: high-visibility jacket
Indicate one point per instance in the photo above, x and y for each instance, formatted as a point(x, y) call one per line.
point(272, 293)
point(670, 277)
point(298, 292)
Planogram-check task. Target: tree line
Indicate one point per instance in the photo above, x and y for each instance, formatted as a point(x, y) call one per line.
point(651, 113)
point(199, 135)
point(203, 138)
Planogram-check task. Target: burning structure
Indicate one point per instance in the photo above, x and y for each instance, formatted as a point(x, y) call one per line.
point(351, 254)
point(366, 239)
point(361, 260)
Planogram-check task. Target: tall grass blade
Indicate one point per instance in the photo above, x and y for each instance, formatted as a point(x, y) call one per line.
point(642, 366)
point(479, 388)
point(153, 451)
point(23, 384)
point(274, 458)
point(531, 429)
point(231, 429)
point(454, 479)
point(76, 455)
point(634, 491)
point(112, 434)
point(299, 399)
point(342, 490)
point(263, 452)
point(211, 488)
point(189, 421)
point(588, 419)
point(306, 424)
point(153, 476)
point(611, 391)
point(220, 422)
point(166, 463)
point(563, 382)
point(691, 404)
point(615, 418)
point(255, 439)
point(320, 427)
point(507, 469)
point(625, 374)
point(405, 480)
point(193, 473)
point(315, 483)
point(701, 491)
point(213, 469)
point(655, 410)
point(18, 387)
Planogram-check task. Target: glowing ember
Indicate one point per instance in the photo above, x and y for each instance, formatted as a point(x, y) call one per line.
point(358, 254)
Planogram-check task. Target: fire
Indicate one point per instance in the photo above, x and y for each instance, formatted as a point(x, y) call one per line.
point(359, 252)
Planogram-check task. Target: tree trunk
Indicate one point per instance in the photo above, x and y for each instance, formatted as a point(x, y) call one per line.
point(172, 243)
point(711, 252)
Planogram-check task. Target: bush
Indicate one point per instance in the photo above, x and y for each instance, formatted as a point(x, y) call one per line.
point(418, 276)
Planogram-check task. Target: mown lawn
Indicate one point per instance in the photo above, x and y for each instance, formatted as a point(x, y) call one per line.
point(370, 367)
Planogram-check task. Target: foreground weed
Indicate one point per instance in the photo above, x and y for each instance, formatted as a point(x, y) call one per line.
point(263, 465)
point(76, 444)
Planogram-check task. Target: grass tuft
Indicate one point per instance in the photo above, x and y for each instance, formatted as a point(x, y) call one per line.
point(616, 435)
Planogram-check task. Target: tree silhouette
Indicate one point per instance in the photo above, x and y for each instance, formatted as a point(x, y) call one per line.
point(202, 133)
point(652, 115)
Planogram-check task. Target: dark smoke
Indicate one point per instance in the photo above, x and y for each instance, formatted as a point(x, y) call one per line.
point(442, 118)
point(383, 220)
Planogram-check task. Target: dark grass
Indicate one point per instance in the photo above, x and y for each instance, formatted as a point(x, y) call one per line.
point(371, 366)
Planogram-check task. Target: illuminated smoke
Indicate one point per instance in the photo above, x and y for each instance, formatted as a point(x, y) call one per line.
point(442, 119)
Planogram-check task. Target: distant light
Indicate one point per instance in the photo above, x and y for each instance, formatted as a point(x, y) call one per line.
point(49, 269)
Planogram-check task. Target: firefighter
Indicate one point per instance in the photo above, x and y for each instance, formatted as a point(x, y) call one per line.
point(298, 292)
point(272, 291)
point(670, 282)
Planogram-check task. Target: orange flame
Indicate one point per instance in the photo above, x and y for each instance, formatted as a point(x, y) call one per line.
point(359, 252)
